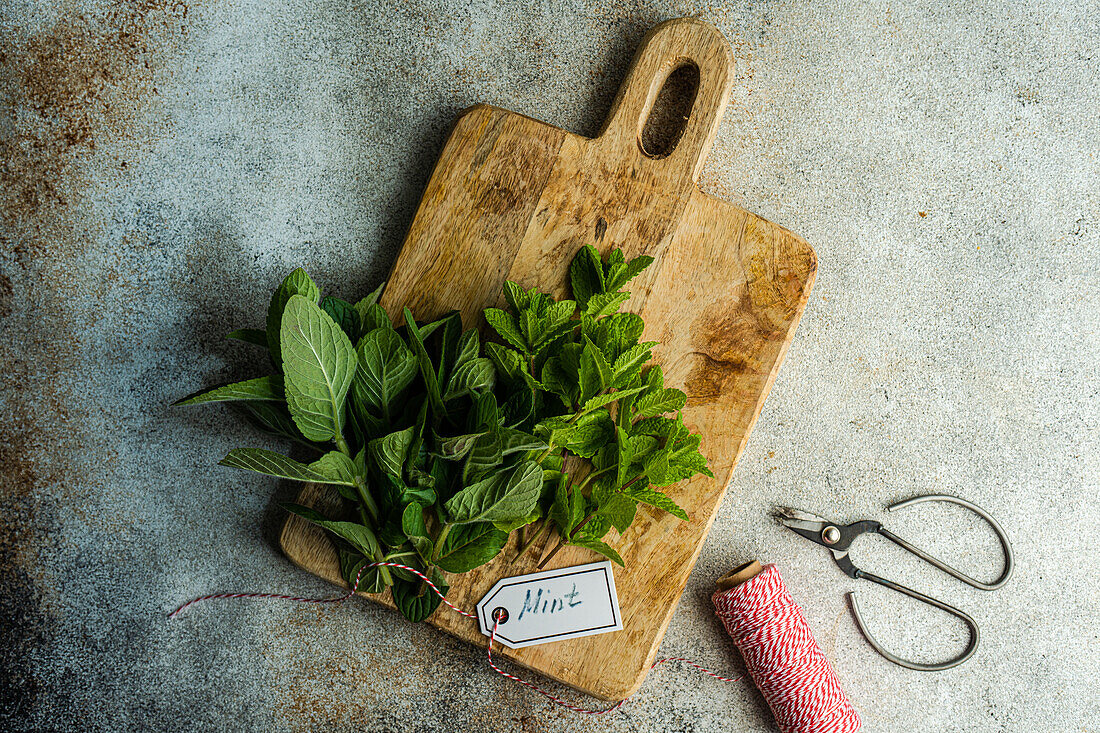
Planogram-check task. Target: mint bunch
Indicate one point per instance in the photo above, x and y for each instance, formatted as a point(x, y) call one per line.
point(599, 406)
point(442, 445)
point(403, 422)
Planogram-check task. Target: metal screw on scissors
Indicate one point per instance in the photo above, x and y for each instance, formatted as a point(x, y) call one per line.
point(838, 538)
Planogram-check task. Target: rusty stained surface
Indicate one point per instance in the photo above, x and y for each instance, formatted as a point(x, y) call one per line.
point(164, 164)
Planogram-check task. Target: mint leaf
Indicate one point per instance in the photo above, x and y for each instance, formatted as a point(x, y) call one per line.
point(659, 402)
point(390, 451)
point(509, 365)
point(273, 417)
point(604, 304)
point(509, 527)
point(360, 537)
point(598, 546)
point(343, 314)
point(249, 335)
point(353, 565)
point(567, 511)
point(518, 298)
point(503, 324)
point(413, 526)
point(629, 363)
point(656, 499)
point(618, 509)
point(296, 283)
point(586, 275)
point(372, 299)
point(501, 497)
point(475, 375)
point(516, 441)
point(628, 272)
point(415, 600)
point(259, 389)
point(275, 464)
point(336, 468)
point(603, 399)
point(468, 546)
point(416, 337)
point(583, 438)
point(386, 368)
point(319, 364)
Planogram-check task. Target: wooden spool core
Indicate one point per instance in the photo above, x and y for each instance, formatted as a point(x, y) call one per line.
point(740, 574)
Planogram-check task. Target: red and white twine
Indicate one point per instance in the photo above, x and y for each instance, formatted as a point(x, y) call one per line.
point(764, 622)
point(783, 657)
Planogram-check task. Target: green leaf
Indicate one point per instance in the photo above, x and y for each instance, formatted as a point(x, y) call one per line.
point(475, 375)
point(370, 300)
point(509, 364)
point(598, 546)
point(469, 546)
point(630, 363)
point(485, 455)
point(619, 510)
point(517, 441)
point(455, 447)
point(567, 511)
point(258, 389)
point(319, 364)
point(503, 324)
point(296, 283)
point(583, 438)
point(654, 498)
point(426, 371)
point(386, 368)
point(518, 298)
point(661, 427)
point(586, 274)
point(353, 565)
point(632, 269)
point(249, 335)
point(343, 314)
point(509, 527)
point(593, 357)
point(519, 406)
point(415, 600)
point(271, 463)
point(359, 536)
point(660, 401)
point(501, 497)
point(604, 304)
point(469, 345)
point(273, 417)
point(626, 455)
point(336, 467)
point(390, 451)
point(412, 524)
point(603, 399)
point(656, 467)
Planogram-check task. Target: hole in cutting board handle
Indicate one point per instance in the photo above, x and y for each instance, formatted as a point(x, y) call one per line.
point(668, 116)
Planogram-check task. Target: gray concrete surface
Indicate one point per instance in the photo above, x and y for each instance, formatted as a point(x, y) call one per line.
point(164, 164)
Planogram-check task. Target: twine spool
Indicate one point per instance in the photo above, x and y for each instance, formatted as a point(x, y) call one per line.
point(781, 654)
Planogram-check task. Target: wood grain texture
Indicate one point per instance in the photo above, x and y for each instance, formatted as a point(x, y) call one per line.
point(515, 198)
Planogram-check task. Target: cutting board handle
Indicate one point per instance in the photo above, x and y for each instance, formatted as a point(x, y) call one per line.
point(666, 48)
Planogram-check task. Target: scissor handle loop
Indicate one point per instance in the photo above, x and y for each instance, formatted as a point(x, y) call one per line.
point(1006, 546)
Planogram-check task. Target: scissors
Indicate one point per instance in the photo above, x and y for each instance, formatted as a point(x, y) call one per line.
point(838, 538)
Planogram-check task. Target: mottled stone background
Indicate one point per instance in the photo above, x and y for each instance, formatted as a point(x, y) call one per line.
point(165, 164)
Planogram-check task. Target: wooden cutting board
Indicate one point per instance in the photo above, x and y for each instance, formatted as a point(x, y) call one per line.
point(514, 198)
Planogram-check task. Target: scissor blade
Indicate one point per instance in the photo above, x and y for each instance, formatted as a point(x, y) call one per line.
point(804, 523)
point(798, 519)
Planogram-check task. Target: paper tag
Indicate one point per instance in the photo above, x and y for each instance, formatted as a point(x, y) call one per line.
point(553, 605)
